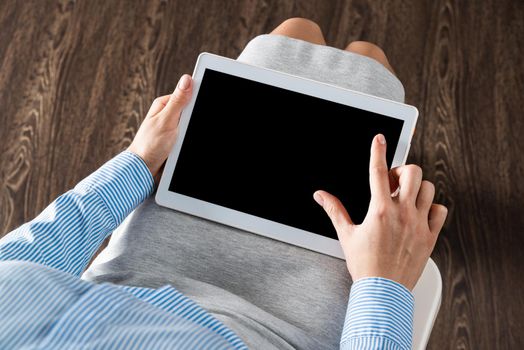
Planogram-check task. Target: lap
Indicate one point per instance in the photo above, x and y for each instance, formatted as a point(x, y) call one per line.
point(221, 267)
point(323, 63)
point(300, 294)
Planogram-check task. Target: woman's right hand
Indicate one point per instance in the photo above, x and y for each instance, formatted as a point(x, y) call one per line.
point(399, 233)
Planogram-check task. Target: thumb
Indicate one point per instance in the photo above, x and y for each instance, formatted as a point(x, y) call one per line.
point(334, 209)
point(179, 98)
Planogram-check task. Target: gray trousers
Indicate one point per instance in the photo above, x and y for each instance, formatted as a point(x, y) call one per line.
point(272, 294)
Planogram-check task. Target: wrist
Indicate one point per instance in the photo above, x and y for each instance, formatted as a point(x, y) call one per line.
point(151, 165)
point(381, 308)
point(406, 276)
point(122, 183)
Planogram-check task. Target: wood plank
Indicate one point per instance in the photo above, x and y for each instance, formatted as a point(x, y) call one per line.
point(77, 77)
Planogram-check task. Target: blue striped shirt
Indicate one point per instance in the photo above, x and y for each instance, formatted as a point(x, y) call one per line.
point(45, 305)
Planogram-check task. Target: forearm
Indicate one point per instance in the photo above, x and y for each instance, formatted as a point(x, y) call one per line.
point(379, 316)
point(71, 229)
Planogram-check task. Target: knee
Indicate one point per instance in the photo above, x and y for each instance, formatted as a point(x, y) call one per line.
point(368, 49)
point(301, 28)
point(302, 24)
point(365, 48)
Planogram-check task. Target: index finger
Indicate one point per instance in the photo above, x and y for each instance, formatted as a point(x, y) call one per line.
point(378, 169)
point(158, 104)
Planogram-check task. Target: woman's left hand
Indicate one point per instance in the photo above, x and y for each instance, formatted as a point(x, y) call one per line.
point(157, 134)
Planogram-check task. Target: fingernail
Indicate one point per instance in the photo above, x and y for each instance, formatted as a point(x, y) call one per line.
point(318, 198)
point(381, 139)
point(184, 82)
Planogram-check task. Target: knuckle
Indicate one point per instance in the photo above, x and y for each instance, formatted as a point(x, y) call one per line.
point(378, 170)
point(331, 209)
point(414, 170)
point(176, 98)
point(409, 209)
point(443, 210)
point(413, 167)
point(406, 221)
point(401, 169)
point(429, 185)
point(381, 210)
point(179, 98)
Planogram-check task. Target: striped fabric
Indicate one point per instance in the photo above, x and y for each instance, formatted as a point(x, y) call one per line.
point(379, 316)
point(45, 305)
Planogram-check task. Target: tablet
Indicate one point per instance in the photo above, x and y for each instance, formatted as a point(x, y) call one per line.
point(255, 144)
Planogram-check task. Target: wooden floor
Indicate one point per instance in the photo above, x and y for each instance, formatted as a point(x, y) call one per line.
point(76, 78)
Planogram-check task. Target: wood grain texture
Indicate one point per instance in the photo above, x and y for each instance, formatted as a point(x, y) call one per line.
point(76, 78)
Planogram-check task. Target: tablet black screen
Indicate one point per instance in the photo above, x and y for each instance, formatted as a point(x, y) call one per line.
point(264, 150)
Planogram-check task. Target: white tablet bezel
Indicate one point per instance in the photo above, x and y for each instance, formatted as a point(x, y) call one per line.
point(251, 223)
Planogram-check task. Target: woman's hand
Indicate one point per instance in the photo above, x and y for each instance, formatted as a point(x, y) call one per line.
point(157, 134)
point(399, 233)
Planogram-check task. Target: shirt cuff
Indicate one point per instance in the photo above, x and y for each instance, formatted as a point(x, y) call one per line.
point(379, 310)
point(122, 183)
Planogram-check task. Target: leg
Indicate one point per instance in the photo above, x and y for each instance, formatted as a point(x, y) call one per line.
point(310, 58)
point(307, 30)
point(271, 293)
point(370, 50)
point(255, 285)
point(302, 29)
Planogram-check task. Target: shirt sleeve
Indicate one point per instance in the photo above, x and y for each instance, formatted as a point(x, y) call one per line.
point(71, 229)
point(379, 316)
